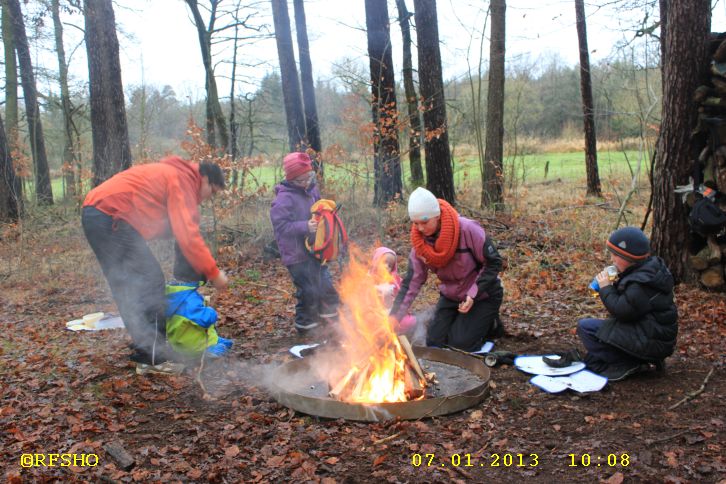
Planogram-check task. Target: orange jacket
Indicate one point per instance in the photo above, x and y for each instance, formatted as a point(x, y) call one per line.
point(157, 200)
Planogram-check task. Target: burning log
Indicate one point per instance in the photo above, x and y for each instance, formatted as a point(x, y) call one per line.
point(413, 361)
point(362, 379)
point(414, 387)
point(339, 388)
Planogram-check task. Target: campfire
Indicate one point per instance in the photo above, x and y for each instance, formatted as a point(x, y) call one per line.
point(376, 364)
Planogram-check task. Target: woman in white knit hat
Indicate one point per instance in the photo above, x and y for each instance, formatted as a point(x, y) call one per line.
point(467, 264)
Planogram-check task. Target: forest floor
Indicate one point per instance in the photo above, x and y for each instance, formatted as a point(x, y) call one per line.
point(64, 392)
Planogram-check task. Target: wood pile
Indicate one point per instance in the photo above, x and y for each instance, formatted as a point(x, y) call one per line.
point(707, 253)
point(353, 384)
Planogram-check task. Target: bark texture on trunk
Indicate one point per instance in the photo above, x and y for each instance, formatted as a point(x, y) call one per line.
point(69, 148)
point(493, 184)
point(288, 74)
point(439, 172)
point(43, 190)
point(588, 110)
point(684, 68)
point(111, 152)
point(414, 116)
point(312, 126)
point(387, 164)
point(10, 200)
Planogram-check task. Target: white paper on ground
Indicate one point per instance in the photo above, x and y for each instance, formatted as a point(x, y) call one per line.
point(535, 365)
point(582, 381)
point(108, 321)
point(487, 347)
point(296, 350)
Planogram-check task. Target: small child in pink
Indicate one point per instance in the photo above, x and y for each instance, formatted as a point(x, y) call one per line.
point(384, 268)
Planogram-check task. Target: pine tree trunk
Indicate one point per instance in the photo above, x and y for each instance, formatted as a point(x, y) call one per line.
point(493, 183)
point(43, 190)
point(387, 162)
point(215, 119)
point(111, 152)
point(306, 78)
point(439, 173)
point(588, 110)
point(288, 74)
point(684, 68)
point(414, 116)
point(68, 145)
point(10, 200)
point(11, 76)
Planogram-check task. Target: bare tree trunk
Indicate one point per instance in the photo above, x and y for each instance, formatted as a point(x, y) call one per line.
point(312, 125)
point(593, 178)
point(492, 194)
point(386, 161)
point(214, 115)
point(684, 68)
point(414, 116)
point(111, 152)
point(11, 75)
point(288, 74)
point(233, 124)
point(10, 200)
point(439, 173)
point(43, 190)
point(69, 148)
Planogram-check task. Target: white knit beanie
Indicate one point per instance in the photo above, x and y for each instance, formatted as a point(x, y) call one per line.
point(422, 205)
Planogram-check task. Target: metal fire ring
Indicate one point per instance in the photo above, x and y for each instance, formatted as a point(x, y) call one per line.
point(307, 394)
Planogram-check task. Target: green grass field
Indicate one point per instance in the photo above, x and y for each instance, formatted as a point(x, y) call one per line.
point(534, 168)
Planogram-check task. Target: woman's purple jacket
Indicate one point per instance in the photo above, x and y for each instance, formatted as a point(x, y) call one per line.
point(289, 214)
point(472, 271)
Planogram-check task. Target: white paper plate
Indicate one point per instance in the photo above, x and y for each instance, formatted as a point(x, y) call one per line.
point(536, 366)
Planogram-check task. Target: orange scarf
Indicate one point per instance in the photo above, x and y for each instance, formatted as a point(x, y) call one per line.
point(445, 245)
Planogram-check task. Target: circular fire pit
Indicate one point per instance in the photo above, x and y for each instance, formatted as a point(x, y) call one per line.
point(463, 382)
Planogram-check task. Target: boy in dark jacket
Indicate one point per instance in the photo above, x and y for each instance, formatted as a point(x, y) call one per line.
point(644, 320)
point(292, 223)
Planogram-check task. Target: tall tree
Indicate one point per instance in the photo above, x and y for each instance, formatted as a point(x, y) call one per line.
point(43, 190)
point(414, 116)
point(288, 73)
point(386, 159)
point(439, 173)
point(306, 78)
point(10, 199)
point(588, 110)
point(69, 148)
point(214, 114)
point(11, 75)
point(684, 67)
point(492, 190)
point(111, 152)
point(233, 124)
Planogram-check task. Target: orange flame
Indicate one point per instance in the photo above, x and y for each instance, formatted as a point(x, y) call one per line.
point(376, 362)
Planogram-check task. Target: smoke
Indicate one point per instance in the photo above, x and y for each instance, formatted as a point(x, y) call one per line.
point(417, 335)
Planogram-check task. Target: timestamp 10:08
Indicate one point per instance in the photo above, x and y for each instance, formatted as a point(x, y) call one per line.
point(586, 460)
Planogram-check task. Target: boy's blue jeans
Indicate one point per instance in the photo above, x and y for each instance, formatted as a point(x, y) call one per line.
point(600, 353)
point(315, 293)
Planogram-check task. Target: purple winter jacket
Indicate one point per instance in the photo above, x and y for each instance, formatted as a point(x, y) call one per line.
point(472, 271)
point(289, 214)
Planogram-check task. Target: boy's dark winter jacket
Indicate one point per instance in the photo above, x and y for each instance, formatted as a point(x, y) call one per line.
point(644, 319)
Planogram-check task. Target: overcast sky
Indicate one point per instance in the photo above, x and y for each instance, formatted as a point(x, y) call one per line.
point(159, 43)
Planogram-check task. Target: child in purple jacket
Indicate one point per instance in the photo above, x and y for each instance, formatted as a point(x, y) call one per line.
point(317, 299)
point(467, 264)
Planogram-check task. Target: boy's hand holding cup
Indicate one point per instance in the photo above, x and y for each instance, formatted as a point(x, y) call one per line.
point(603, 279)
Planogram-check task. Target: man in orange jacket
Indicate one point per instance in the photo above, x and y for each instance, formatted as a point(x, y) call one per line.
point(145, 202)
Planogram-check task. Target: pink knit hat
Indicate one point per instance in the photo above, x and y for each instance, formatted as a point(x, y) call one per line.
point(296, 164)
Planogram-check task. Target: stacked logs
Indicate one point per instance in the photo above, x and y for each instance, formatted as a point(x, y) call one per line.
point(708, 251)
